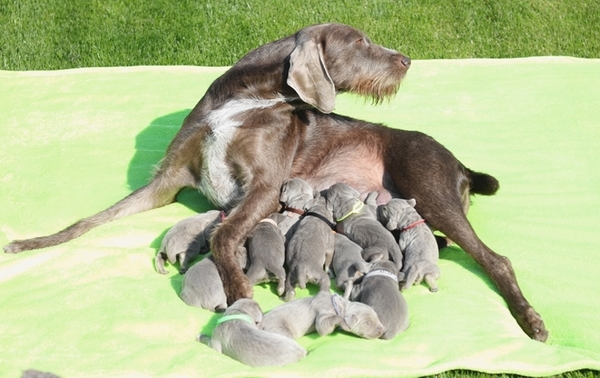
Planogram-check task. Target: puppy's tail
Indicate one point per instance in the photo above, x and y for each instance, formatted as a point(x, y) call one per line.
point(157, 193)
point(482, 183)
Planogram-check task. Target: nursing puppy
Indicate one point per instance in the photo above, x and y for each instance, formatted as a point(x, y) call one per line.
point(358, 221)
point(347, 264)
point(202, 286)
point(295, 197)
point(186, 240)
point(379, 289)
point(310, 249)
point(416, 241)
point(238, 337)
point(322, 313)
point(266, 252)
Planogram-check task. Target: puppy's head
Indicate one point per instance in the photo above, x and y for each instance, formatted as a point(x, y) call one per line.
point(342, 198)
point(361, 320)
point(296, 191)
point(395, 214)
point(248, 307)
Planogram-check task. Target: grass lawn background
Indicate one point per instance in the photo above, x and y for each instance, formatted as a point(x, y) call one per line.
point(62, 34)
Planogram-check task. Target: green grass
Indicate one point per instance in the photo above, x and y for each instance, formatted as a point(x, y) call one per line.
point(58, 34)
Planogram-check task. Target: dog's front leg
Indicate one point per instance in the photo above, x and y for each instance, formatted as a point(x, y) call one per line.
point(261, 168)
point(256, 205)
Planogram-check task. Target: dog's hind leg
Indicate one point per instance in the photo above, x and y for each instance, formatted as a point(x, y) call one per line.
point(445, 212)
point(161, 191)
point(498, 268)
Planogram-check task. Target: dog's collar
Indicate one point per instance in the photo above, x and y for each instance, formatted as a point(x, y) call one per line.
point(244, 317)
point(381, 272)
point(355, 210)
point(413, 225)
point(268, 220)
point(293, 210)
point(336, 308)
point(321, 217)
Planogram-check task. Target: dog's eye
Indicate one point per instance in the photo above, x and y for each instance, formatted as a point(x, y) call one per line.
point(360, 42)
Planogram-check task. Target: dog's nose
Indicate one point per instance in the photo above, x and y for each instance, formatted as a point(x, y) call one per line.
point(405, 61)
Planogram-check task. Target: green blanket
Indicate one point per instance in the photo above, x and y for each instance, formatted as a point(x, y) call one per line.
point(76, 141)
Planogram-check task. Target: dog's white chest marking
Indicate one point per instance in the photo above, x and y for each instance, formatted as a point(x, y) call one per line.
point(217, 180)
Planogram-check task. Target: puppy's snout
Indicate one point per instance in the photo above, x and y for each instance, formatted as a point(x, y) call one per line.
point(405, 61)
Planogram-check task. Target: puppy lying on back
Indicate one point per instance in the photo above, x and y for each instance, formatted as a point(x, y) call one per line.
point(186, 240)
point(266, 251)
point(310, 249)
point(322, 313)
point(202, 286)
point(238, 337)
point(358, 221)
point(379, 289)
point(416, 241)
point(347, 264)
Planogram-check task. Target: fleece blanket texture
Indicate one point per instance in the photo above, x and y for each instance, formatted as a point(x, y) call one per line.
point(76, 141)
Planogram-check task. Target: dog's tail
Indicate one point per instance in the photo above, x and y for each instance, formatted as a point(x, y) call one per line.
point(482, 183)
point(156, 194)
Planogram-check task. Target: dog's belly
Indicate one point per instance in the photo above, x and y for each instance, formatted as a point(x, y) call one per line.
point(356, 166)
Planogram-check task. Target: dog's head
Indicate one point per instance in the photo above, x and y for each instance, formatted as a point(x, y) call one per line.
point(331, 58)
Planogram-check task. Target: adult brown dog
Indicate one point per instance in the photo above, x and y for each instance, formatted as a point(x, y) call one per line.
point(268, 119)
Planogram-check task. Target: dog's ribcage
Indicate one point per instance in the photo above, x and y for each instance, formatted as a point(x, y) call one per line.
point(217, 181)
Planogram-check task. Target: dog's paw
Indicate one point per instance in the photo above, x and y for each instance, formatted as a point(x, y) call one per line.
point(531, 322)
point(238, 287)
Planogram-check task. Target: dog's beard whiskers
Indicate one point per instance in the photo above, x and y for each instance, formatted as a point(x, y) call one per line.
point(377, 89)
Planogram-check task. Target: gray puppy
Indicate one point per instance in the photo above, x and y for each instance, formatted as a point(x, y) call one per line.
point(322, 313)
point(202, 286)
point(186, 240)
point(379, 289)
point(266, 252)
point(347, 264)
point(416, 241)
point(238, 336)
point(358, 221)
point(295, 196)
point(310, 249)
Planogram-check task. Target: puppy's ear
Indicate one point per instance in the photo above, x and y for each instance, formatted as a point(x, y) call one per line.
point(412, 202)
point(350, 322)
point(308, 75)
point(326, 324)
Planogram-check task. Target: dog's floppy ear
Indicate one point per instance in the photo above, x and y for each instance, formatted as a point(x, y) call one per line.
point(308, 75)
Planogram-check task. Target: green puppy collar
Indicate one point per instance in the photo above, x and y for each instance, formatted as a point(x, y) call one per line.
point(244, 317)
point(355, 210)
